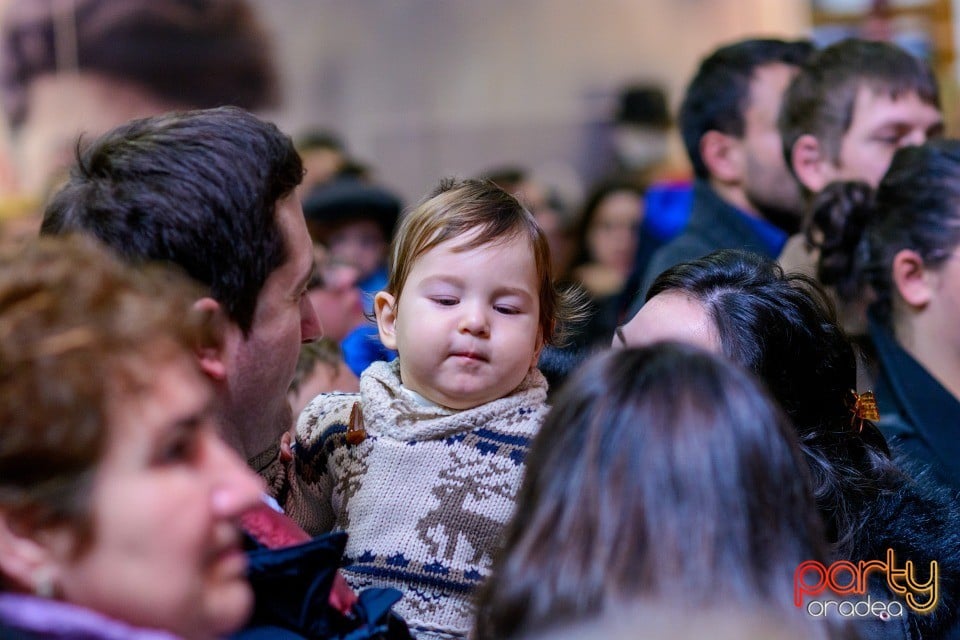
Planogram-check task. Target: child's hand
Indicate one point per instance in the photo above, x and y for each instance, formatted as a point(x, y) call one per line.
point(286, 447)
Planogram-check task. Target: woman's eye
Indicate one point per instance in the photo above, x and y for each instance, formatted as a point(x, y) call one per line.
point(179, 450)
point(890, 140)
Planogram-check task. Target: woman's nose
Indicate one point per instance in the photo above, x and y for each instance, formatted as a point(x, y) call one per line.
point(236, 488)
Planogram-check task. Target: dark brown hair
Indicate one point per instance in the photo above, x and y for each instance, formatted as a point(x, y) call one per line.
point(660, 472)
point(784, 328)
point(916, 206)
point(821, 98)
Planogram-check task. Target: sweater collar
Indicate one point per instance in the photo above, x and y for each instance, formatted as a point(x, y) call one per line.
point(390, 409)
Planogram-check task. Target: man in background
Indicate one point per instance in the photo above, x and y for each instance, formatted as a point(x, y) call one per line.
point(743, 195)
point(846, 113)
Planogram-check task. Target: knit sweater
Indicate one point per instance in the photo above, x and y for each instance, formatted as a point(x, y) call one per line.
point(424, 497)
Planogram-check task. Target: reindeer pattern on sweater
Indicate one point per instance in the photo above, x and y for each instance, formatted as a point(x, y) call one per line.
point(424, 497)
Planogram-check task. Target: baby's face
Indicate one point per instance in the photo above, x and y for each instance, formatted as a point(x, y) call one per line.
point(467, 322)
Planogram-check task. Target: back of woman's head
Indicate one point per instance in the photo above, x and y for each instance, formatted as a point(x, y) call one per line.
point(659, 472)
point(859, 231)
point(784, 328)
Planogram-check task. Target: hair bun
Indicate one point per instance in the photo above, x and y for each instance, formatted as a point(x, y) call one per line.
point(838, 218)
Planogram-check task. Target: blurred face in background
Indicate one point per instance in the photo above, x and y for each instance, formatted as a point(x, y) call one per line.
point(62, 106)
point(337, 299)
point(768, 187)
point(880, 125)
point(613, 232)
point(360, 243)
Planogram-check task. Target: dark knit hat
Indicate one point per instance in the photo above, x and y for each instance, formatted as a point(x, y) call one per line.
point(347, 199)
point(643, 105)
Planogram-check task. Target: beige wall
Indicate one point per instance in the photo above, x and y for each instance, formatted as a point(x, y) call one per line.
point(425, 88)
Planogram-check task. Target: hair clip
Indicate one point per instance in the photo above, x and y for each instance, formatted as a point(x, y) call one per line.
point(863, 406)
point(355, 431)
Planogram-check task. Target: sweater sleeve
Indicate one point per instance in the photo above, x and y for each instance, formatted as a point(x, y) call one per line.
point(320, 431)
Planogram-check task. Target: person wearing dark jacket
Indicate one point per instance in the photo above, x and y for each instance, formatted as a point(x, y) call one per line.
point(744, 196)
point(299, 592)
point(214, 193)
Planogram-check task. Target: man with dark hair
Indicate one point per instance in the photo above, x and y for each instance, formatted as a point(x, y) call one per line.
point(743, 195)
point(845, 114)
point(851, 107)
point(212, 192)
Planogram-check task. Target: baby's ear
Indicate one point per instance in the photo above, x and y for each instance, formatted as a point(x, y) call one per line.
point(384, 305)
point(536, 353)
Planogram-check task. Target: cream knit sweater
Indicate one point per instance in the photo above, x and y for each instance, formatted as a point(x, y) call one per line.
point(424, 497)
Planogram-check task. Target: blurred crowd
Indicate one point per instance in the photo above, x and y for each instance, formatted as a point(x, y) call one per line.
point(250, 392)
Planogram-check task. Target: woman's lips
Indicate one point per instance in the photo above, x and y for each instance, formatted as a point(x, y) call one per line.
point(231, 561)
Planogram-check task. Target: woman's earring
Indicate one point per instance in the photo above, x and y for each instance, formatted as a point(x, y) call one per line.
point(43, 582)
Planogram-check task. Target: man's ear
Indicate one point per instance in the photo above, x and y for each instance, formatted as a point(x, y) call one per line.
point(384, 305)
point(723, 155)
point(810, 163)
point(912, 278)
point(212, 353)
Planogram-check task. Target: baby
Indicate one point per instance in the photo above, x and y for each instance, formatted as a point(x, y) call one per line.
point(422, 466)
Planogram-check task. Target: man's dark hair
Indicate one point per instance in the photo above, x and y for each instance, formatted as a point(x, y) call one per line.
point(820, 100)
point(198, 189)
point(719, 94)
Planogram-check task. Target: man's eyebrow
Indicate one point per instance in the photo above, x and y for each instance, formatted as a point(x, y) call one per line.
point(618, 332)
